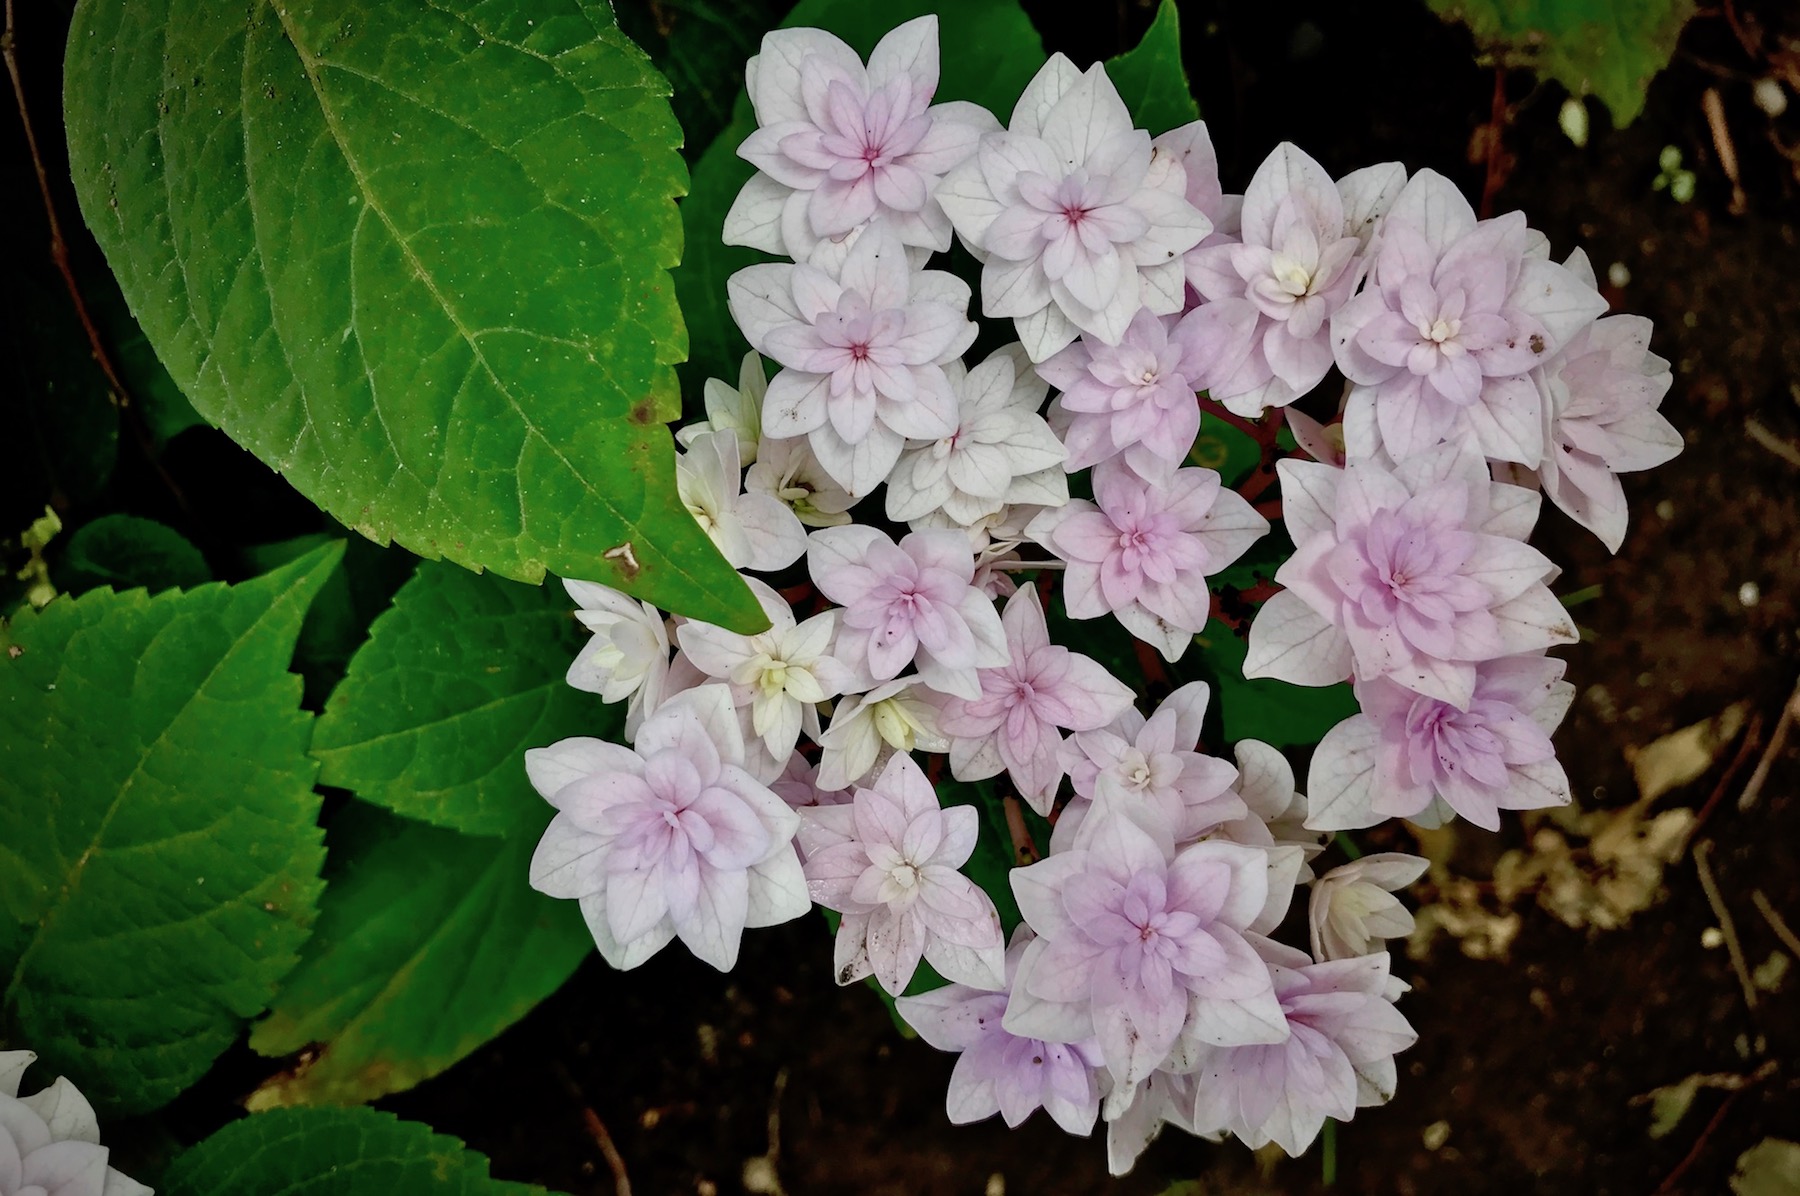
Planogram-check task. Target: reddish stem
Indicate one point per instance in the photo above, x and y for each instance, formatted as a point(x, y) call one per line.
point(1270, 510)
point(1496, 158)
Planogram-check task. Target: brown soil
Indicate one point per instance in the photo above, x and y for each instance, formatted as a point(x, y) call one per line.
point(1533, 1063)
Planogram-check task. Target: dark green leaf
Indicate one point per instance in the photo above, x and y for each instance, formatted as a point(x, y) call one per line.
point(414, 256)
point(990, 54)
point(1150, 78)
point(1273, 711)
point(429, 943)
point(457, 679)
point(332, 1152)
point(701, 46)
point(337, 623)
point(125, 552)
point(158, 833)
point(1606, 48)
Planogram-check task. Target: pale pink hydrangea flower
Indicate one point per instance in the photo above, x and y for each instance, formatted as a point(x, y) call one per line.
point(1353, 907)
point(751, 531)
point(1456, 315)
point(736, 409)
point(1025, 703)
point(1153, 769)
point(1143, 552)
point(50, 1140)
point(1276, 821)
point(1600, 395)
point(839, 144)
point(787, 471)
point(998, 1072)
point(864, 343)
point(628, 656)
point(672, 839)
point(1297, 260)
point(1076, 229)
point(1338, 1057)
point(1001, 451)
point(1137, 399)
point(780, 674)
point(867, 728)
point(1139, 944)
point(908, 603)
point(888, 862)
point(1137, 1115)
point(1416, 574)
point(1405, 752)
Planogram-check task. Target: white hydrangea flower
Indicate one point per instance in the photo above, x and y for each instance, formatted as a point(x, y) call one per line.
point(50, 1140)
point(1353, 907)
point(1001, 452)
point(897, 716)
point(781, 674)
point(628, 656)
point(752, 531)
point(786, 470)
point(1079, 223)
point(735, 409)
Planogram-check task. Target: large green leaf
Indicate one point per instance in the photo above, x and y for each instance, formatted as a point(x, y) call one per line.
point(1150, 77)
point(413, 255)
point(457, 679)
point(332, 1152)
point(429, 943)
point(158, 836)
point(991, 52)
point(1606, 48)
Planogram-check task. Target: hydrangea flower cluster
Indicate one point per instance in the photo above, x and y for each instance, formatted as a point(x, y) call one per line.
point(911, 514)
point(50, 1140)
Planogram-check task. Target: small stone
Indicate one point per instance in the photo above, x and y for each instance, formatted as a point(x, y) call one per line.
point(1770, 96)
point(1435, 1135)
point(1712, 938)
point(1749, 594)
point(1665, 510)
point(1619, 274)
point(996, 1185)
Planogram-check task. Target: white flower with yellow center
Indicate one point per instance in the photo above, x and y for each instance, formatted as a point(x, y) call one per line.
point(780, 674)
point(736, 409)
point(867, 729)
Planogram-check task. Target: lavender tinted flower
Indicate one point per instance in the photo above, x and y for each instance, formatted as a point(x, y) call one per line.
point(1137, 942)
point(1600, 395)
point(672, 839)
point(1075, 231)
point(998, 1072)
point(1025, 703)
point(1456, 315)
point(1405, 750)
point(1395, 575)
point(839, 144)
point(864, 342)
point(908, 603)
point(888, 862)
point(1137, 399)
point(1143, 552)
point(1337, 1057)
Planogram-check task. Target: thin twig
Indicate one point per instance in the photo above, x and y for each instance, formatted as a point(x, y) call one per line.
point(59, 253)
point(1752, 738)
point(1775, 444)
point(1776, 922)
point(1672, 1182)
point(762, 1174)
point(1713, 105)
point(1703, 865)
point(1753, 787)
point(1023, 846)
point(1496, 164)
point(597, 1131)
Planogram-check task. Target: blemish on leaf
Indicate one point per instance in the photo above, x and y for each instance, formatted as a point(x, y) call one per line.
point(627, 559)
point(643, 412)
